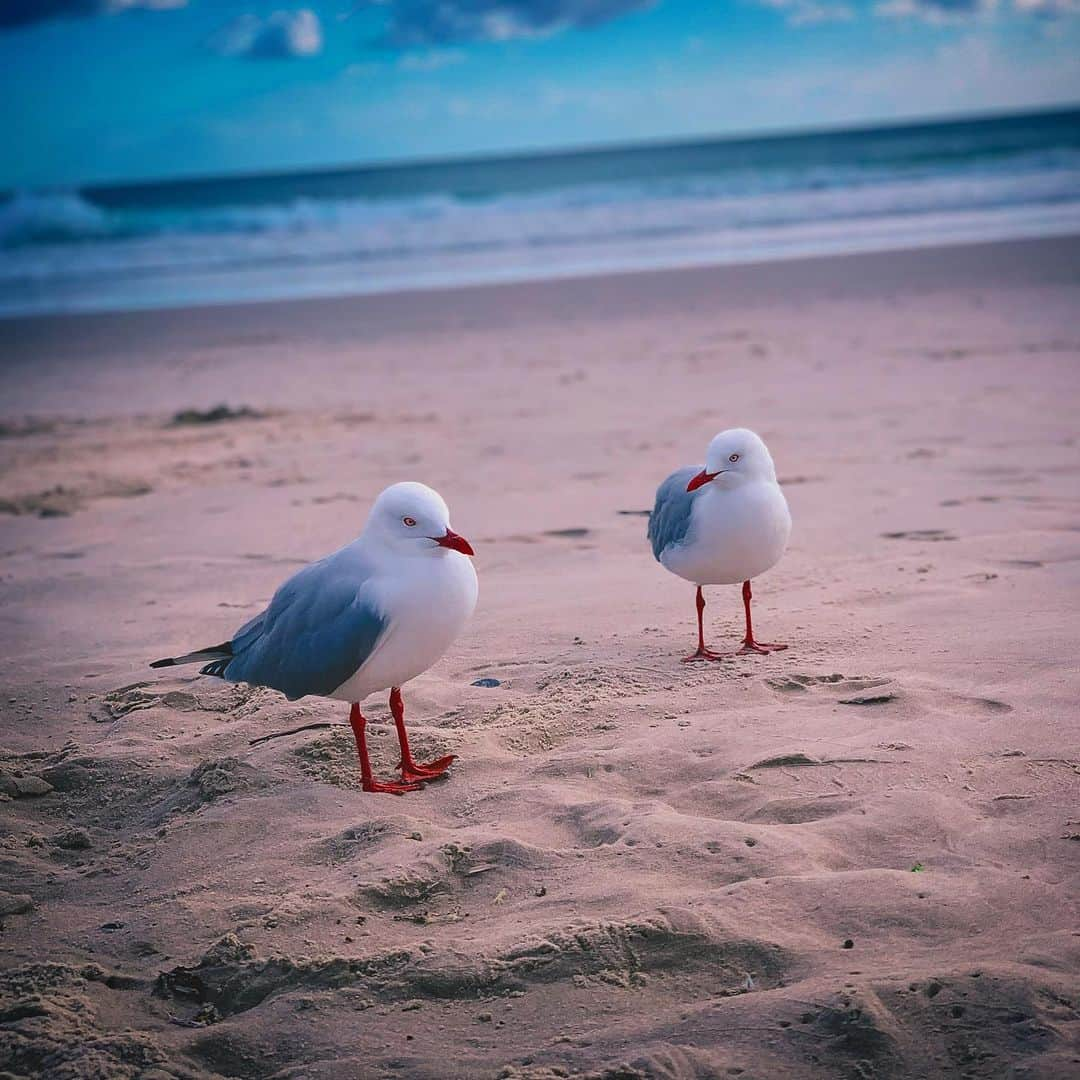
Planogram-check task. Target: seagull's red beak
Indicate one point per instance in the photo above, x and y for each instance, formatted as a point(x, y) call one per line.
point(454, 542)
point(702, 478)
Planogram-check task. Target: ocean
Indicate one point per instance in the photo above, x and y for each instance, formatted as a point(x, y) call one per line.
point(472, 221)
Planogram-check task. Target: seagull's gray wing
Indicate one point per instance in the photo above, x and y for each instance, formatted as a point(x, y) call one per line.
point(320, 627)
point(669, 522)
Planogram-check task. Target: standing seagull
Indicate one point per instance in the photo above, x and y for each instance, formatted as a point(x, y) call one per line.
point(723, 524)
point(372, 616)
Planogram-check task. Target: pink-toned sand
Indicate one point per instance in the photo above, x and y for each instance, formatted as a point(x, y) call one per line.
point(856, 858)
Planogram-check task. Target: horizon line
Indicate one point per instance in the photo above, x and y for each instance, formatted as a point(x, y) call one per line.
point(554, 152)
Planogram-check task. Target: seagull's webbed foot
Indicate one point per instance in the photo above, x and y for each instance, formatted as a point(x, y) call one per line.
point(358, 722)
point(749, 645)
point(411, 770)
point(763, 648)
point(431, 770)
point(392, 787)
point(702, 654)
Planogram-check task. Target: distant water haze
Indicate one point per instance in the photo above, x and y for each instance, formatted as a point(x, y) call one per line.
point(472, 221)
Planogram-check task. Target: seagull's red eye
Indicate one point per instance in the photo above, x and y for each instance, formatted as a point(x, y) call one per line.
point(408, 521)
point(733, 458)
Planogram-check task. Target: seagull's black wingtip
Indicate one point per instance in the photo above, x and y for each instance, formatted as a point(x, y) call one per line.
point(167, 662)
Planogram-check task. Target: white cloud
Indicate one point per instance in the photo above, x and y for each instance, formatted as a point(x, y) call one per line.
point(1050, 8)
point(446, 22)
point(973, 73)
point(934, 11)
point(279, 36)
point(432, 60)
point(413, 63)
point(811, 12)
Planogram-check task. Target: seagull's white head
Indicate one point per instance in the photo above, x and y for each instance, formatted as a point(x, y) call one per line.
point(412, 518)
point(734, 457)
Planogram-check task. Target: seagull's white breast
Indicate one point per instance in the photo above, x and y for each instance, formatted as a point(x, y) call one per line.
point(734, 535)
point(427, 600)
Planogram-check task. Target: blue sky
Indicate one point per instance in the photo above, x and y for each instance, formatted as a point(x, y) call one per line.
point(98, 90)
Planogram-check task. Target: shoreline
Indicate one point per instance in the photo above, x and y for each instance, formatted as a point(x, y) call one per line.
point(1039, 260)
point(272, 237)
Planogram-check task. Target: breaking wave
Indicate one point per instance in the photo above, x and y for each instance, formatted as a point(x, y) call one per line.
point(278, 236)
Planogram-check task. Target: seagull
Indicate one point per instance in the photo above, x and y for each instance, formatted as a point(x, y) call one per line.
point(371, 616)
point(722, 524)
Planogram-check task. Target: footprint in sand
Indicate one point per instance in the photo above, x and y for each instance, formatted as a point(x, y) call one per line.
point(133, 697)
point(973, 705)
point(853, 690)
point(800, 811)
point(127, 699)
point(669, 943)
point(797, 684)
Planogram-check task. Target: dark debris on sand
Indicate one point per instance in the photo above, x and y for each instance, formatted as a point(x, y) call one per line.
point(216, 415)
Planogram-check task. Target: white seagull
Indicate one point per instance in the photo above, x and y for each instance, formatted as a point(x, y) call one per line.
point(722, 524)
point(369, 617)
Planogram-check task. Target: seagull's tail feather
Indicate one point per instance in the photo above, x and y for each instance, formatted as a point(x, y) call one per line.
point(219, 654)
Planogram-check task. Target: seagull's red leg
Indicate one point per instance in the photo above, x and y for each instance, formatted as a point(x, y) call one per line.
point(749, 644)
point(394, 787)
point(702, 653)
point(410, 769)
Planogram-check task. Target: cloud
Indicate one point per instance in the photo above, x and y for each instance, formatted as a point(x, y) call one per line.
point(432, 60)
point(935, 11)
point(23, 12)
point(952, 11)
point(1048, 8)
point(411, 62)
point(444, 22)
point(282, 35)
point(811, 12)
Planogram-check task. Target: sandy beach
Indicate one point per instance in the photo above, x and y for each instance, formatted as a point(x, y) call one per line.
point(856, 858)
